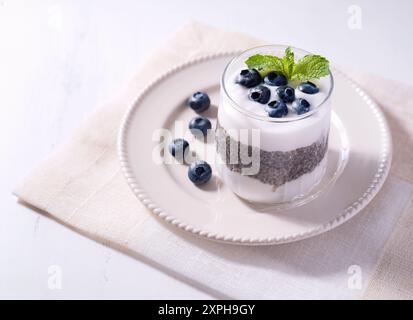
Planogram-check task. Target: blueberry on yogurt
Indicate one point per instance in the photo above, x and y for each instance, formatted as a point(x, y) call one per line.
point(199, 101)
point(199, 172)
point(260, 94)
point(275, 79)
point(199, 125)
point(276, 109)
point(249, 78)
point(308, 87)
point(286, 94)
point(301, 106)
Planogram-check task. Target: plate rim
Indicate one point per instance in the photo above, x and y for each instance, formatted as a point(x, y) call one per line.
point(376, 184)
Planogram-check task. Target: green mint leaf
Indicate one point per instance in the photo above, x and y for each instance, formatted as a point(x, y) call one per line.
point(264, 64)
point(310, 67)
point(288, 63)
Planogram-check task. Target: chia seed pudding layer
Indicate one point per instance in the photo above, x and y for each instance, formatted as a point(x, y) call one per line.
point(275, 167)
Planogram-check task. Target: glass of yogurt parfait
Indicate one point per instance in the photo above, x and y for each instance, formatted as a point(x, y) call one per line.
point(273, 123)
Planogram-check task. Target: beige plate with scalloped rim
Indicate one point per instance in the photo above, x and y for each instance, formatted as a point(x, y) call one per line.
point(359, 159)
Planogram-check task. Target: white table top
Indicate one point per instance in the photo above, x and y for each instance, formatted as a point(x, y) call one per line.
point(60, 60)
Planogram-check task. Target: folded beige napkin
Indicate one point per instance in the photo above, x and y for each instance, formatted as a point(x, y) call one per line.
point(81, 185)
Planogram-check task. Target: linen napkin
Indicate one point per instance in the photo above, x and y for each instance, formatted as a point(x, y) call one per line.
point(82, 186)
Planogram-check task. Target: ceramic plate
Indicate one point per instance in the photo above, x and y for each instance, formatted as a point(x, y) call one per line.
point(359, 158)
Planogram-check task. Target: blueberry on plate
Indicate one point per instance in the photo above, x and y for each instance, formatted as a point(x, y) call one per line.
point(199, 101)
point(301, 106)
point(275, 79)
point(276, 109)
point(199, 172)
point(286, 93)
point(179, 148)
point(199, 124)
point(308, 87)
point(249, 78)
point(260, 94)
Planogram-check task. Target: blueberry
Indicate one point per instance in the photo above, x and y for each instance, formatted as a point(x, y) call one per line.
point(199, 101)
point(178, 148)
point(276, 109)
point(199, 123)
point(308, 87)
point(286, 93)
point(275, 79)
point(249, 78)
point(199, 172)
point(260, 94)
point(301, 106)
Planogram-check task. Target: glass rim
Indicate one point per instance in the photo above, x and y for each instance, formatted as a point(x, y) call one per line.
point(266, 118)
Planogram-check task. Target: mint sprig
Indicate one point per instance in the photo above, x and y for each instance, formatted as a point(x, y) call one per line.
point(309, 67)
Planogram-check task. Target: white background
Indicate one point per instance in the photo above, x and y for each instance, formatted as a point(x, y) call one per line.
point(61, 59)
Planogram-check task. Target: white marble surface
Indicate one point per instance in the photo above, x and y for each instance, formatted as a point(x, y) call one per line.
point(61, 59)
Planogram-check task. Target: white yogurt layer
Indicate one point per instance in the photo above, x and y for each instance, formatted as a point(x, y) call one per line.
point(239, 95)
point(276, 136)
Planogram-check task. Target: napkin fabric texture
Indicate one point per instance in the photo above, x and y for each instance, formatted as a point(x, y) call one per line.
point(82, 186)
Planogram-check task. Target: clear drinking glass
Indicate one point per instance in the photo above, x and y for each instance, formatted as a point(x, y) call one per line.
point(270, 160)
